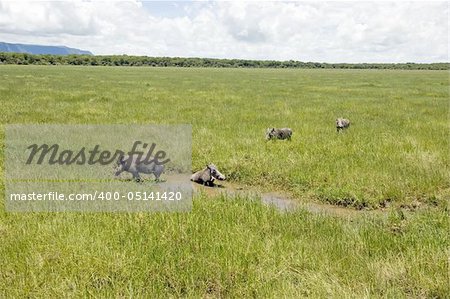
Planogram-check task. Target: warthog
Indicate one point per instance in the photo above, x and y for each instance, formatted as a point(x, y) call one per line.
point(207, 175)
point(273, 133)
point(342, 123)
point(124, 164)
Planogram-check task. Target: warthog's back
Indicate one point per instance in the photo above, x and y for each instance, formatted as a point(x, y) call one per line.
point(130, 164)
point(283, 133)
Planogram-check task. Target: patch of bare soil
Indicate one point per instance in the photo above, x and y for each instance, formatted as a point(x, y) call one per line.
point(278, 200)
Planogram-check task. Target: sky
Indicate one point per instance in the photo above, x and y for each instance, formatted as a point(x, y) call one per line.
point(318, 31)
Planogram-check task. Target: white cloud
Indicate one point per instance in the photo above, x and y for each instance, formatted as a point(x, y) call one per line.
point(322, 31)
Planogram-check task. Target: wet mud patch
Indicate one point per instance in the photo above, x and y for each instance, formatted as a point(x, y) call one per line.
point(278, 200)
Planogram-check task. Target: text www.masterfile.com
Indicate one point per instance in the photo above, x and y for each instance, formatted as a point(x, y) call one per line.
point(98, 195)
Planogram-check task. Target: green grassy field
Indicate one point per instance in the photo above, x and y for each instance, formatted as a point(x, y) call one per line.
point(396, 151)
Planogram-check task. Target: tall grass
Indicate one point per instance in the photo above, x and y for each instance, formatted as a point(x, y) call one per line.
point(395, 150)
point(223, 248)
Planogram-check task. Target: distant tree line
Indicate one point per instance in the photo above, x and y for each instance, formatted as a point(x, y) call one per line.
point(125, 60)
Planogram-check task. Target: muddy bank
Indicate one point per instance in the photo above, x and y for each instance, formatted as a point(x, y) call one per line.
point(279, 200)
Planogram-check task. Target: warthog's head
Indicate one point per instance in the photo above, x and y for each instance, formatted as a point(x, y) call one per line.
point(270, 132)
point(118, 166)
point(215, 173)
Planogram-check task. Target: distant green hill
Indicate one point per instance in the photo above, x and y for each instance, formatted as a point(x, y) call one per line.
point(38, 49)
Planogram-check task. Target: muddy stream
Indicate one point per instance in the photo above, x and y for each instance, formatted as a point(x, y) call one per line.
point(278, 200)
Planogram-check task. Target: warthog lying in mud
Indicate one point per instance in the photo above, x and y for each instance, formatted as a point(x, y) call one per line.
point(342, 123)
point(207, 175)
point(131, 166)
point(273, 133)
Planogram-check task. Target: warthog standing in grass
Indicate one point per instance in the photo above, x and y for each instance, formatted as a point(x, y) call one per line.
point(342, 123)
point(207, 175)
point(124, 163)
point(273, 133)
